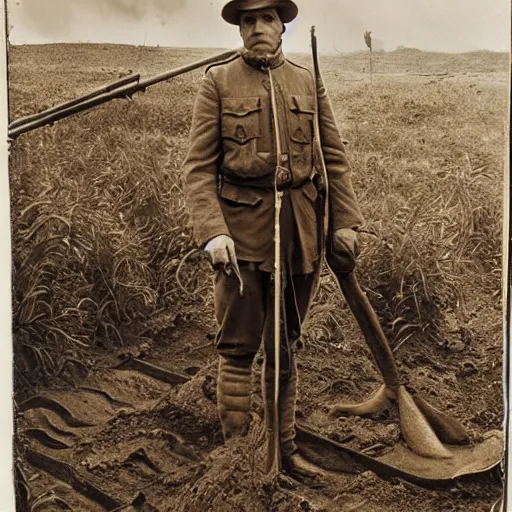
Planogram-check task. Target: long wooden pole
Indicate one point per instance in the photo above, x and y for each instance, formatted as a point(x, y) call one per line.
point(124, 91)
point(275, 463)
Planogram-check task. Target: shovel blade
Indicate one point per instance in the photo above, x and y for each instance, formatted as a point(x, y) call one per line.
point(448, 430)
point(416, 430)
point(376, 403)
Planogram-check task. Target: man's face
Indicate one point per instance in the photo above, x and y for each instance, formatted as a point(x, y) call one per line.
point(261, 30)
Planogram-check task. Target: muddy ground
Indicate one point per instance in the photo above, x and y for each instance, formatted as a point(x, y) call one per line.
point(161, 442)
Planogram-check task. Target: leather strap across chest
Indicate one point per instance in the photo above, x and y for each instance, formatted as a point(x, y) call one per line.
point(283, 176)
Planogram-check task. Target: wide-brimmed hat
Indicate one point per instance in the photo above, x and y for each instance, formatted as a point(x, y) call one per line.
point(286, 9)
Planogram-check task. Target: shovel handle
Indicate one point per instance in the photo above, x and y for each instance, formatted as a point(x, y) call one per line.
point(370, 326)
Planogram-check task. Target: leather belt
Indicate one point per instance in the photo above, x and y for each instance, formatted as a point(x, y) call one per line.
point(283, 176)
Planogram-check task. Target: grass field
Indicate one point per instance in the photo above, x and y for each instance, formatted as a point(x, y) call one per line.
point(99, 228)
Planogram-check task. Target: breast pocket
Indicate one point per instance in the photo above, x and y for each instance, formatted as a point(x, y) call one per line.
point(241, 129)
point(302, 112)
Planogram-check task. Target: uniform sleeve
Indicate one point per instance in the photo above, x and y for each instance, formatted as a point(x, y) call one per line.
point(200, 166)
point(345, 212)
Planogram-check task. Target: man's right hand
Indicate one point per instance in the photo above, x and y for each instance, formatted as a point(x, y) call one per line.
point(221, 251)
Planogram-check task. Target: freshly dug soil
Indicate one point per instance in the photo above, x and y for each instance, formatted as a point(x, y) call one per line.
point(133, 437)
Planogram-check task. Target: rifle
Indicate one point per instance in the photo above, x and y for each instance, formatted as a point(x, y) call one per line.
point(123, 88)
point(357, 301)
point(61, 106)
point(323, 214)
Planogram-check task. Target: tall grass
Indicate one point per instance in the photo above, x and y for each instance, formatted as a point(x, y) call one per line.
point(99, 225)
point(428, 168)
point(99, 229)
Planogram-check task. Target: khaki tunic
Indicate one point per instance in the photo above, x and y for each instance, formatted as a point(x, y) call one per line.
point(231, 161)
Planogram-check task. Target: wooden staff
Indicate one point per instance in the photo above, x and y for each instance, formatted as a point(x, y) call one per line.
point(275, 462)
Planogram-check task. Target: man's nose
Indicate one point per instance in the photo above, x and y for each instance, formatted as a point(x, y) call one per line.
point(258, 26)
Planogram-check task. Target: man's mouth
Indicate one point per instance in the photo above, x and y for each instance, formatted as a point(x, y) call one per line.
point(260, 44)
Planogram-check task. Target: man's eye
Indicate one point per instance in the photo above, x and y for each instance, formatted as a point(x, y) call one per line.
point(268, 18)
point(249, 20)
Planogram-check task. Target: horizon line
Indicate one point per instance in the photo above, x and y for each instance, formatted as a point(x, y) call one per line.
point(335, 52)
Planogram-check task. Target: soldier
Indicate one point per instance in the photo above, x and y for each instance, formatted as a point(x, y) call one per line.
point(246, 108)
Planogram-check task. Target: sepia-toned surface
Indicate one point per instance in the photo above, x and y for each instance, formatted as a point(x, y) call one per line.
point(99, 231)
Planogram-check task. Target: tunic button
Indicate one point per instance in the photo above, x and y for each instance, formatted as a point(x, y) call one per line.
point(283, 178)
point(240, 132)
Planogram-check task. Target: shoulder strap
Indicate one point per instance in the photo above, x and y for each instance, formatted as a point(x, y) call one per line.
point(222, 62)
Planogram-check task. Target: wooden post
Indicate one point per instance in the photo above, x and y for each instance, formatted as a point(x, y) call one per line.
point(368, 41)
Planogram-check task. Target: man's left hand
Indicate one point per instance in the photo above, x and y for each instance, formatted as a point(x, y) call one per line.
point(346, 248)
point(345, 241)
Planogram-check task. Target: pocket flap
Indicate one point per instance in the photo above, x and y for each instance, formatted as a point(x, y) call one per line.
point(241, 106)
point(240, 195)
point(303, 103)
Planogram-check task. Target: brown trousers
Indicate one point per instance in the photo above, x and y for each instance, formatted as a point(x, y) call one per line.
point(247, 321)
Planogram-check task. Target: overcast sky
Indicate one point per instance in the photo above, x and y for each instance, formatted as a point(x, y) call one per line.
point(438, 25)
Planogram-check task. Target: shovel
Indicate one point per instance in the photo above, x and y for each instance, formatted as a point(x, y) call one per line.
point(423, 427)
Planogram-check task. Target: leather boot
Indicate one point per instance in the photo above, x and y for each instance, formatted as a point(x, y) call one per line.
point(291, 462)
point(234, 396)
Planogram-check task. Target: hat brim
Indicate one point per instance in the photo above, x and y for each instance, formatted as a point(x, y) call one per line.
point(286, 9)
